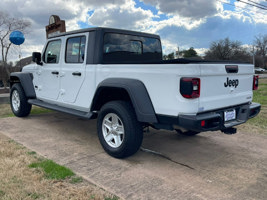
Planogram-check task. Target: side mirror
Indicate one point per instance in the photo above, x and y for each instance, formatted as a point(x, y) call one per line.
point(36, 57)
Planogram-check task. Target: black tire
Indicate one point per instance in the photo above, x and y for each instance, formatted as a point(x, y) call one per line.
point(187, 133)
point(18, 101)
point(124, 120)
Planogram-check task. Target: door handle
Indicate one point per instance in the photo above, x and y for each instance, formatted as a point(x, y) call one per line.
point(76, 73)
point(55, 72)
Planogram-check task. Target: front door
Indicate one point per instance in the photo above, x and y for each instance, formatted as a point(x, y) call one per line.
point(48, 73)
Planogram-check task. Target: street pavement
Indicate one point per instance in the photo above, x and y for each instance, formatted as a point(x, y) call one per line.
point(208, 166)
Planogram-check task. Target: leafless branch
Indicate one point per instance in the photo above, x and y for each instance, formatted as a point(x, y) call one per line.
point(7, 25)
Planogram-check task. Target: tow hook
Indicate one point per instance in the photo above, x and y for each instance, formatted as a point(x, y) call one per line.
point(229, 131)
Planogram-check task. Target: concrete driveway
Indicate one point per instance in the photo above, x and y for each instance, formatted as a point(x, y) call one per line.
point(208, 166)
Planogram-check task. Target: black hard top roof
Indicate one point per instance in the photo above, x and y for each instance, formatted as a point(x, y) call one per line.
point(106, 30)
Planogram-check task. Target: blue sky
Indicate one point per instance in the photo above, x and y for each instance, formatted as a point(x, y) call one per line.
point(183, 23)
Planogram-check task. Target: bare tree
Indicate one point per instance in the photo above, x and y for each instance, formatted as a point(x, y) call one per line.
point(7, 25)
point(227, 50)
point(261, 48)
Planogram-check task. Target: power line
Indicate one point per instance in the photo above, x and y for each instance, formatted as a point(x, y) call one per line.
point(253, 5)
point(230, 4)
point(258, 4)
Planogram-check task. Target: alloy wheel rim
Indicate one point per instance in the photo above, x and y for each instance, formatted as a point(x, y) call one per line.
point(15, 100)
point(113, 130)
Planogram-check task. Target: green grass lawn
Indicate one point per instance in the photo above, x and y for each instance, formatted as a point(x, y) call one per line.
point(260, 96)
point(52, 170)
point(5, 110)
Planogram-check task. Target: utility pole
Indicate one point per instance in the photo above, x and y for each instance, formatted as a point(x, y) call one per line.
point(253, 56)
point(177, 52)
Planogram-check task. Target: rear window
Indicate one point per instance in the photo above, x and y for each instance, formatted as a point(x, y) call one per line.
point(121, 48)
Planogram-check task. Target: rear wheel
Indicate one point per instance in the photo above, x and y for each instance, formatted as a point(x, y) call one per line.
point(18, 101)
point(119, 132)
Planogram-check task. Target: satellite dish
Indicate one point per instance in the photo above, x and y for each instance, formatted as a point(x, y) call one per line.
point(17, 37)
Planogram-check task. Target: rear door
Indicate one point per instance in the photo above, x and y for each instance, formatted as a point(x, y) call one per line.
point(225, 85)
point(73, 70)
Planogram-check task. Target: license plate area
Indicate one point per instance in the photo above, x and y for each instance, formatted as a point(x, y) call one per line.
point(229, 115)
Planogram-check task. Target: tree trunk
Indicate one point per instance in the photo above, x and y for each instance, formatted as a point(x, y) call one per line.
point(5, 78)
point(5, 50)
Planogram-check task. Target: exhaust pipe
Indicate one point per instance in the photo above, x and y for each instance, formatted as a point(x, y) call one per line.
point(229, 131)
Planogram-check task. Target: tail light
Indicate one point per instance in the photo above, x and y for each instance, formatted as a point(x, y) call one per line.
point(255, 82)
point(190, 88)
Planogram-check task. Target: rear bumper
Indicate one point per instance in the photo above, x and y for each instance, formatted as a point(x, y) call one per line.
point(213, 120)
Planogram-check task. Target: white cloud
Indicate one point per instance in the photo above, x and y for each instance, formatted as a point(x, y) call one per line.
point(168, 46)
point(189, 9)
point(201, 51)
point(129, 17)
point(245, 12)
point(227, 15)
point(178, 21)
point(125, 16)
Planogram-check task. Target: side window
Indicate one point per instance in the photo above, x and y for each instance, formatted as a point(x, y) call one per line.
point(52, 52)
point(75, 50)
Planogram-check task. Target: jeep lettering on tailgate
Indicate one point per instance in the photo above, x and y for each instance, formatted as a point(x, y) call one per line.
point(230, 83)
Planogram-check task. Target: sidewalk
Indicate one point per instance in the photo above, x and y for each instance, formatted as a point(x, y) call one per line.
point(262, 75)
point(4, 98)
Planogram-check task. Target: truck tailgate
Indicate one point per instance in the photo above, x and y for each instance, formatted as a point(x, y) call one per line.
point(224, 85)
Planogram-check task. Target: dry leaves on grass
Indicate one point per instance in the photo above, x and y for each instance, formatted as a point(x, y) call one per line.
point(18, 181)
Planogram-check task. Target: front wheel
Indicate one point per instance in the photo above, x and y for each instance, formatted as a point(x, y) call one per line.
point(18, 101)
point(119, 132)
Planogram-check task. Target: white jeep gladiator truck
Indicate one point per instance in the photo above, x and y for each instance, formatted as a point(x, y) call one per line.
point(119, 77)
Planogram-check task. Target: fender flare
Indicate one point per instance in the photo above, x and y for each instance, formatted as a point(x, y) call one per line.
point(25, 79)
point(138, 95)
